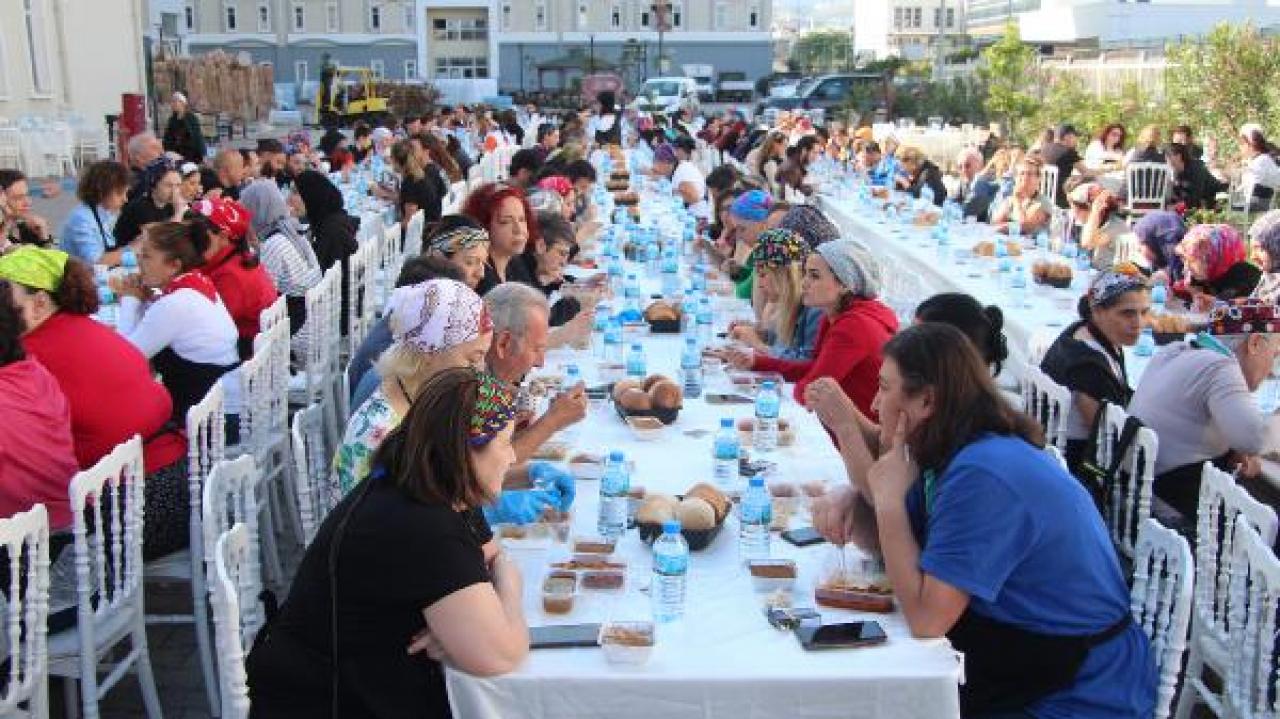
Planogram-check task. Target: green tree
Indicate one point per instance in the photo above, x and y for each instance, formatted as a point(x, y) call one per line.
point(1007, 70)
point(1224, 80)
point(822, 51)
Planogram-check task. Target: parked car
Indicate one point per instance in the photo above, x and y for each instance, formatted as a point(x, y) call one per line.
point(735, 87)
point(829, 93)
point(702, 75)
point(667, 95)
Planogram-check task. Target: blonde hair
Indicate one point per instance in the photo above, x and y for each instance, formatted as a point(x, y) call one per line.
point(1149, 136)
point(999, 163)
point(784, 312)
point(911, 156)
point(411, 368)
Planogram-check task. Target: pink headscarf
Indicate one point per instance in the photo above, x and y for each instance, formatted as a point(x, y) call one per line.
point(1219, 247)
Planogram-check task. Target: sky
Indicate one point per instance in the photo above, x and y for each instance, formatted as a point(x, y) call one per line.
point(837, 12)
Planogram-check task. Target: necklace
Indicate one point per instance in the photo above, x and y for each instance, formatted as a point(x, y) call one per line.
point(403, 391)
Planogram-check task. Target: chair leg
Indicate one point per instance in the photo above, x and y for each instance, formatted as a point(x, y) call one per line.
point(284, 488)
point(1187, 696)
point(204, 643)
point(146, 678)
point(267, 539)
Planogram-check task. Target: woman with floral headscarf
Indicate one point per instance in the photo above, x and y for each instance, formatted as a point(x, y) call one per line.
point(1266, 251)
point(789, 329)
point(1158, 235)
point(1216, 265)
point(464, 243)
point(1088, 357)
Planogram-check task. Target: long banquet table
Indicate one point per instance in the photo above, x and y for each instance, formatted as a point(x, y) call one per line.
point(723, 659)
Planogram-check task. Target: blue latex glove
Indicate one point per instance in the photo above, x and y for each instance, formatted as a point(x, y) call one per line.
point(550, 478)
point(519, 506)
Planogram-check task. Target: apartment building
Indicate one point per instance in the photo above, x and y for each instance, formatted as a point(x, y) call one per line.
point(910, 29)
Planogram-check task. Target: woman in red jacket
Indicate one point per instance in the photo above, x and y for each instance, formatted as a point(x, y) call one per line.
point(107, 383)
point(242, 282)
point(841, 279)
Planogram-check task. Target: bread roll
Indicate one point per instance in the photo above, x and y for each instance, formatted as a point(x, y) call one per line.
point(712, 496)
point(696, 514)
point(656, 509)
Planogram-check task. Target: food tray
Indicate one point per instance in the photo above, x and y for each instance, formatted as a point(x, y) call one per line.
point(697, 539)
point(666, 416)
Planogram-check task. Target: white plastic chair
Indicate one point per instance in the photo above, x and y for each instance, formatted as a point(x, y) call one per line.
point(270, 432)
point(229, 590)
point(1130, 503)
point(108, 560)
point(413, 232)
point(1251, 685)
point(24, 538)
point(264, 433)
point(1049, 403)
point(206, 446)
point(231, 498)
point(359, 293)
point(314, 480)
point(318, 379)
point(1160, 602)
point(1221, 502)
point(11, 148)
point(1147, 186)
point(1049, 183)
point(277, 312)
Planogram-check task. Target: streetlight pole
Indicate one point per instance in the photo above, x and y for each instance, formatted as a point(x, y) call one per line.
point(938, 53)
point(660, 8)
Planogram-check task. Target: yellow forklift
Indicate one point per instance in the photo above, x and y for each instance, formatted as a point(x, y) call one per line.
point(347, 95)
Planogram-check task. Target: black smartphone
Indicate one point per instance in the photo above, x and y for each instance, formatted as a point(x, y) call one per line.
point(815, 635)
point(803, 536)
point(560, 636)
point(720, 398)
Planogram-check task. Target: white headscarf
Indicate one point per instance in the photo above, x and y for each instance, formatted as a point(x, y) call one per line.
point(436, 315)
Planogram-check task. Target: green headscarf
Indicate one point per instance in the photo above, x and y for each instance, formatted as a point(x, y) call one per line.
point(34, 267)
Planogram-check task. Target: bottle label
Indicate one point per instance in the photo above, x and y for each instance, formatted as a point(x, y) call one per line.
point(670, 564)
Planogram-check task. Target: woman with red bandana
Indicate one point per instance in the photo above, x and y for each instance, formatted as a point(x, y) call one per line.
point(231, 262)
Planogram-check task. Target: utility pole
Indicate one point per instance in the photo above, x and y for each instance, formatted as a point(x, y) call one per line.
point(660, 8)
point(938, 55)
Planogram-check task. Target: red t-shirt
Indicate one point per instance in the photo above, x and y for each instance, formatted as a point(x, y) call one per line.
point(37, 461)
point(847, 350)
point(109, 387)
point(245, 291)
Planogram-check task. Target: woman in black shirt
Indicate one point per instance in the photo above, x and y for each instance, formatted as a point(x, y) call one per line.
point(419, 581)
point(1193, 184)
point(159, 200)
point(418, 191)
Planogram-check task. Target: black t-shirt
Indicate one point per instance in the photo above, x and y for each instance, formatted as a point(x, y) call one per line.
point(397, 557)
point(423, 192)
point(517, 271)
point(1065, 158)
point(136, 215)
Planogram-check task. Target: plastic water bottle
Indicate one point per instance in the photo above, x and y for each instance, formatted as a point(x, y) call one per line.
point(128, 260)
point(670, 573)
point(753, 526)
point(768, 402)
point(726, 454)
point(572, 376)
point(705, 317)
point(614, 485)
point(926, 195)
point(700, 278)
point(670, 271)
point(613, 340)
point(108, 311)
point(652, 258)
point(691, 368)
point(1159, 296)
point(1146, 343)
point(635, 362)
point(689, 313)
point(1018, 286)
point(599, 323)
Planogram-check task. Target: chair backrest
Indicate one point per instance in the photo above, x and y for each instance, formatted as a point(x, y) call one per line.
point(1130, 502)
point(24, 538)
point(390, 258)
point(272, 343)
point(231, 498)
point(413, 230)
point(322, 352)
point(1057, 454)
point(1221, 502)
point(1253, 689)
point(206, 447)
point(1049, 183)
point(1049, 403)
point(1148, 185)
point(231, 563)
point(359, 266)
point(1160, 602)
point(278, 312)
point(314, 480)
point(255, 388)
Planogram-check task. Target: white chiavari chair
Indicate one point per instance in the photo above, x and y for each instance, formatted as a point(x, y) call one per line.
point(229, 593)
point(1048, 402)
point(1147, 185)
point(231, 498)
point(24, 608)
point(1253, 676)
point(315, 483)
point(1129, 505)
point(1160, 602)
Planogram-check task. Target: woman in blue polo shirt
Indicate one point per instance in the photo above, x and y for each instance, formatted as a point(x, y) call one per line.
point(988, 541)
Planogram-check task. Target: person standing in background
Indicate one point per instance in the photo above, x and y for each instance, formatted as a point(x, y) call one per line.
point(182, 135)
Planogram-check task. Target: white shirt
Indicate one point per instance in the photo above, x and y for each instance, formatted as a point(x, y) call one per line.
point(1261, 171)
point(1095, 156)
point(688, 172)
point(196, 329)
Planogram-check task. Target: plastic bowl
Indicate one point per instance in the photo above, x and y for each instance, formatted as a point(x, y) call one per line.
point(635, 647)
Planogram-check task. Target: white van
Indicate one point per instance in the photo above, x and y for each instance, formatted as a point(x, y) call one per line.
point(667, 95)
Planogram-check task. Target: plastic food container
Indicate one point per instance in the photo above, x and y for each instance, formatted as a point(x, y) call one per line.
point(603, 579)
point(627, 642)
point(646, 429)
point(770, 575)
point(559, 590)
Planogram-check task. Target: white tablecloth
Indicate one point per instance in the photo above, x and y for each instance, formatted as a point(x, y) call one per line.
point(723, 659)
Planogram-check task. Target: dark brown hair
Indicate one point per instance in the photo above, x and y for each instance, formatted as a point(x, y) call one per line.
point(11, 328)
point(77, 293)
point(966, 403)
point(185, 242)
point(439, 153)
point(428, 456)
point(101, 179)
point(1102, 136)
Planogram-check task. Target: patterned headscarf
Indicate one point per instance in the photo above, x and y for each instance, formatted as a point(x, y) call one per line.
point(298, 141)
point(558, 184)
point(34, 267)
point(854, 265)
point(226, 214)
point(1266, 232)
point(495, 409)
point(1161, 232)
point(154, 171)
point(779, 247)
point(752, 206)
point(1218, 246)
point(436, 315)
point(809, 222)
point(1108, 286)
point(1244, 316)
point(455, 239)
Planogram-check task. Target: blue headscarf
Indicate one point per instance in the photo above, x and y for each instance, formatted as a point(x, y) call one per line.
point(1266, 232)
point(1161, 232)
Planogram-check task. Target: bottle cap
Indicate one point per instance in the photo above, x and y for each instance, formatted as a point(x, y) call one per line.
point(726, 422)
point(635, 347)
point(671, 526)
point(756, 481)
point(768, 384)
point(616, 456)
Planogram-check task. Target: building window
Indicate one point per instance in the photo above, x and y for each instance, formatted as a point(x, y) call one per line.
point(300, 71)
point(540, 15)
point(461, 68)
point(4, 71)
point(644, 18)
point(264, 17)
point(917, 18)
point(379, 68)
point(615, 16)
point(189, 17)
point(584, 15)
point(459, 29)
point(299, 17)
point(721, 19)
point(37, 50)
point(506, 16)
point(675, 15)
point(331, 17)
point(411, 69)
point(753, 17)
point(897, 18)
point(229, 15)
point(951, 17)
point(375, 18)
point(410, 19)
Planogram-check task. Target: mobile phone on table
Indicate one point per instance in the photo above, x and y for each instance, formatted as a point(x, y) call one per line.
point(720, 398)
point(560, 636)
point(816, 635)
point(802, 536)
